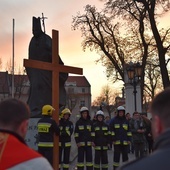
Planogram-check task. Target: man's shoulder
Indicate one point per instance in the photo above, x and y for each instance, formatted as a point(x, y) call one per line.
point(36, 163)
point(155, 161)
point(15, 154)
point(20, 147)
point(133, 165)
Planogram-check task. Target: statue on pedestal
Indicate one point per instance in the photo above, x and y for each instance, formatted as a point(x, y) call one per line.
point(40, 94)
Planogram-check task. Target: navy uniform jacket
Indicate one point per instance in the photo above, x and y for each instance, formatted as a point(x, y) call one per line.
point(84, 132)
point(66, 130)
point(102, 135)
point(47, 127)
point(120, 131)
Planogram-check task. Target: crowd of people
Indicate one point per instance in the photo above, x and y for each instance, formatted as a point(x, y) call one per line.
point(124, 133)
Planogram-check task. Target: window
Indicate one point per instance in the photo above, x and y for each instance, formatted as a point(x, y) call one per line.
point(70, 90)
point(82, 103)
point(73, 103)
point(83, 90)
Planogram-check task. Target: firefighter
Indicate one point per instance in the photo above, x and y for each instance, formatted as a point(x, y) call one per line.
point(84, 135)
point(47, 127)
point(66, 130)
point(101, 142)
point(121, 136)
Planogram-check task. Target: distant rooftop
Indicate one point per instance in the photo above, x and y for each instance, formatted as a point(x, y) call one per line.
point(79, 81)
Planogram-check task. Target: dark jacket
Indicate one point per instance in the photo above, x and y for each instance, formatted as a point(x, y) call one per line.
point(120, 131)
point(102, 135)
point(135, 125)
point(47, 127)
point(84, 132)
point(66, 130)
point(158, 160)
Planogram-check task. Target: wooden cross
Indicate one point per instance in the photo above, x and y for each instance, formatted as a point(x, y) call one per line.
point(55, 67)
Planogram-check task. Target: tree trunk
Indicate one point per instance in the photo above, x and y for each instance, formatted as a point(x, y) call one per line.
point(161, 50)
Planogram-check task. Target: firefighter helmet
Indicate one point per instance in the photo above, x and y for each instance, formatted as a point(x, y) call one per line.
point(47, 110)
point(100, 113)
point(120, 108)
point(65, 111)
point(83, 109)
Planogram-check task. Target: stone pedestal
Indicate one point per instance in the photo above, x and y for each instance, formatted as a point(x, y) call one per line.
point(32, 133)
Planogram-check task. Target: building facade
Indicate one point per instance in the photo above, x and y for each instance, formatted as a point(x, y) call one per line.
point(20, 90)
point(78, 94)
point(78, 90)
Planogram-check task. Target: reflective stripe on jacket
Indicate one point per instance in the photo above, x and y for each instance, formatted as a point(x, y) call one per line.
point(120, 131)
point(47, 127)
point(84, 132)
point(102, 135)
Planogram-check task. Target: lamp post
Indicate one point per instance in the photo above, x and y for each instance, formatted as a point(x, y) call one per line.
point(134, 72)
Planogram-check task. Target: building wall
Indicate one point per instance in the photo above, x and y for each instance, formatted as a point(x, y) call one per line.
point(82, 94)
point(83, 98)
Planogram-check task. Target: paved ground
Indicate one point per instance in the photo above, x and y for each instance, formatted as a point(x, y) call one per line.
point(110, 158)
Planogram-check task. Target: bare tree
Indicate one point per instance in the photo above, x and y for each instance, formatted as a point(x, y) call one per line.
point(8, 66)
point(106, 99)
point(118, 43)
point(20, 78)
point(151, 10)
point(20, 84)
point(152, 79)
point(102, 33)
point(1, 64)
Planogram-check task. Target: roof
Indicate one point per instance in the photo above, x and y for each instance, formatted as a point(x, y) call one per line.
point(80, 81)
point(4, 87)
point(19, 80)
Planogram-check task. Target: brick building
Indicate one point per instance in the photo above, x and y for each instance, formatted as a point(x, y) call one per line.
point(77, 87)
point(78, 94)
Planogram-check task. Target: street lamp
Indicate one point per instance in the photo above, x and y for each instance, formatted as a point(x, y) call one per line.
point(134, 72)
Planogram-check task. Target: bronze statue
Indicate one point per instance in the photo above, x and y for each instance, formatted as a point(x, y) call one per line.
point(40, 48)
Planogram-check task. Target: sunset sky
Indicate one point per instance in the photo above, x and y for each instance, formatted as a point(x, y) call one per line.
point(59, 14)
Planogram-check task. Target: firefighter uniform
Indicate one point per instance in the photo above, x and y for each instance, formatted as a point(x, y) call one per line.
point(47, 127)
point(66, 130)
point(121, 136)
point(83, 136)
point(101, 142)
